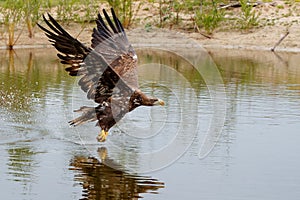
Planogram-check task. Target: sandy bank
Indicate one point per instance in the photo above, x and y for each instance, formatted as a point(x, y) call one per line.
point(283, 18)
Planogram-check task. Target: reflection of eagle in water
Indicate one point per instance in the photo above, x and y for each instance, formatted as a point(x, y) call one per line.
point(109, 180)
point(108, 69)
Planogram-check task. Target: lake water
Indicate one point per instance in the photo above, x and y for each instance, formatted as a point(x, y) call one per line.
point(229, 129)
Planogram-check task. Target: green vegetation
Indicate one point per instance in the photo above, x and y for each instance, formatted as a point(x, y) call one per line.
point(11, 11)
point(209, 16)
point(249, 17)
point(18, 14)
point(31, 14)
point(206, 16)
point(169, 12)
point(124, 10)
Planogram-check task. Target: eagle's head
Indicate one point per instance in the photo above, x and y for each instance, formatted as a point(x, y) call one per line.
point(140, 99)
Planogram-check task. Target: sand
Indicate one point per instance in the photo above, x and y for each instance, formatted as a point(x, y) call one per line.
point(276, 18)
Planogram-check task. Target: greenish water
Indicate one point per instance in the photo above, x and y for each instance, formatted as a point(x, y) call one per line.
point(255, 157)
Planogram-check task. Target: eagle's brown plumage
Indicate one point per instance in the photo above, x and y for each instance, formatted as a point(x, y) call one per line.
point(108, 70)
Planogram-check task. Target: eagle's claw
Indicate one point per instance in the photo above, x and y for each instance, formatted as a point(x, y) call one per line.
point(102, 136)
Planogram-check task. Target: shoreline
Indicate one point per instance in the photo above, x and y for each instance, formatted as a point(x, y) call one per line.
point(136, 36)
point(261, 38)
point(207, 47)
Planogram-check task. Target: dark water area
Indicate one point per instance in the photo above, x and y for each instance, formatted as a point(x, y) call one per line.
point(242, 144)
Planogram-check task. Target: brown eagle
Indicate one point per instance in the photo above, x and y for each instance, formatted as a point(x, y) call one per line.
point(108, 71)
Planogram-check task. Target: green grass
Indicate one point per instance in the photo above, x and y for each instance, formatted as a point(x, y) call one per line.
point(205, 15)
point(209, 17)
point(12, 13)
point(249, 17)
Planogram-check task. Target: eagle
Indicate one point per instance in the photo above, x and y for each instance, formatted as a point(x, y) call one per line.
point(107, 70)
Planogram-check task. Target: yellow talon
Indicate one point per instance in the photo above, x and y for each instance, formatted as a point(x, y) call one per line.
point(102, 136)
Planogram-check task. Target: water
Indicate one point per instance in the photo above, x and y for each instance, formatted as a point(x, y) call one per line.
point(155, 152)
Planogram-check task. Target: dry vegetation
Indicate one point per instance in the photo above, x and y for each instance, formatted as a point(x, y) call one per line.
point(238, 23)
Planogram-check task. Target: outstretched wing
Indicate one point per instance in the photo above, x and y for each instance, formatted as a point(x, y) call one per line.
point(99, 80)
point(110, 40)
point(75, 52)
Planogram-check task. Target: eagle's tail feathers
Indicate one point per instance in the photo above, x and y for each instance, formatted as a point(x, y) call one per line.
point(88, 115)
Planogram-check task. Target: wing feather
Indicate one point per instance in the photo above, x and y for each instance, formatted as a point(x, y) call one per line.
point(117, 21)
point(99, 80)
point(109, 39)
point(62, 40)
point(112, 26)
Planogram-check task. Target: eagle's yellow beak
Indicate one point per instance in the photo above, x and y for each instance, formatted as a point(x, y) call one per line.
point(159, 102)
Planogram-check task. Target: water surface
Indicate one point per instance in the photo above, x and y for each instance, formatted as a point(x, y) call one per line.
point(256, 156)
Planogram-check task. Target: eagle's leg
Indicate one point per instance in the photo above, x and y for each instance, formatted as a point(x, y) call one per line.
point(102, 136)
